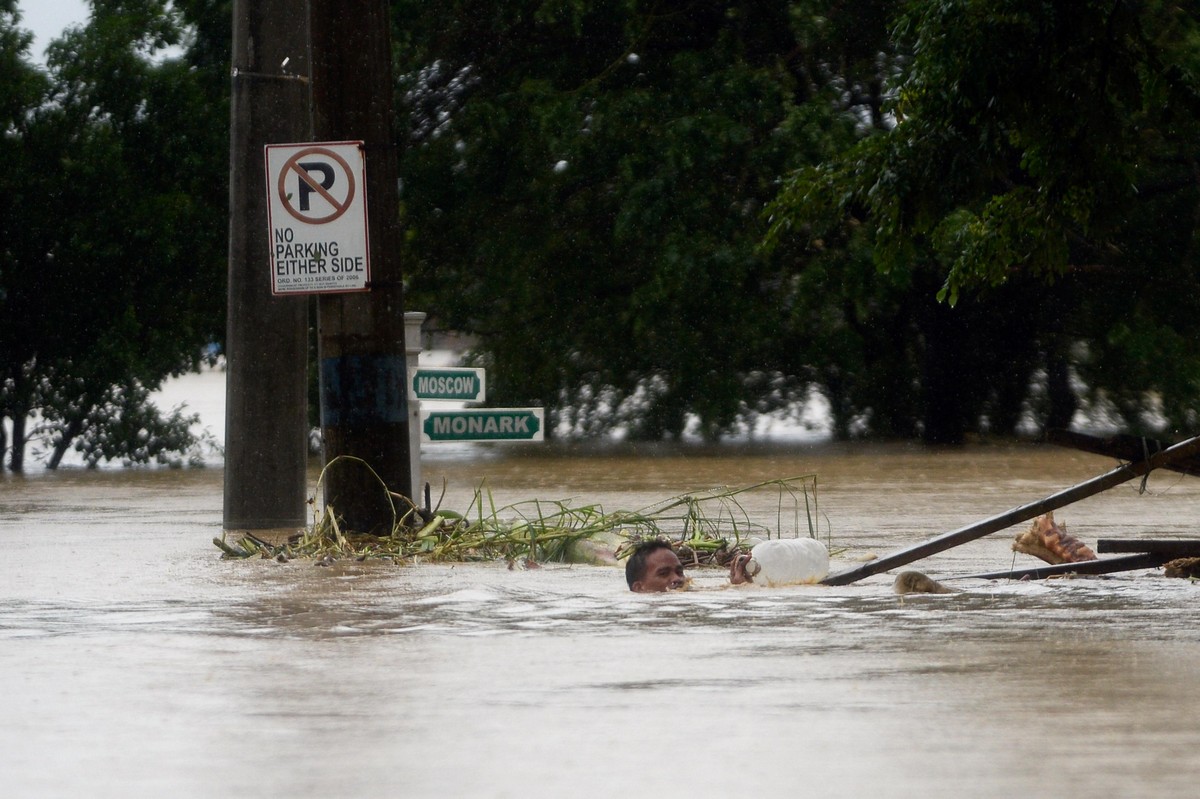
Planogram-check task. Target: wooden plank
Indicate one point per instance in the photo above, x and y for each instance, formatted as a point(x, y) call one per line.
point(1123, 447)
point(1121, 474)
point(1175, 547)
point(1101, 566)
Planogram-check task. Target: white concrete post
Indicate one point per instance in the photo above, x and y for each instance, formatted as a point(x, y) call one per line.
point(412, 353)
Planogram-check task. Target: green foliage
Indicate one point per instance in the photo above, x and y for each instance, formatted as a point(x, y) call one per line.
point(113, 265)
point(706, 527)
point(959, 199)
point(1034, 144)
point(1025, 128)
point(123, 425)
point(584, 192)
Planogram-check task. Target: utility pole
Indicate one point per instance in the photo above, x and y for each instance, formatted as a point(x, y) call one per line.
point(364, 405)
point(266, 416)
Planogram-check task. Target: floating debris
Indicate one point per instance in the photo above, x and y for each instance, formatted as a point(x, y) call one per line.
point(1187, 568)
point(914, 582)
point(1051, 542)
point(706, 528)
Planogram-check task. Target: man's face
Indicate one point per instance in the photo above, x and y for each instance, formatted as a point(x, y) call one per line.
point(663, 572)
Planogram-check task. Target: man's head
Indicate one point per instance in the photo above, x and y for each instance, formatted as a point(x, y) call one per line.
point(654, 567)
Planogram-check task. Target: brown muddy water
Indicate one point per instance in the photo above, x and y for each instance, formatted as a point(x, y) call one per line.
point(136, 662)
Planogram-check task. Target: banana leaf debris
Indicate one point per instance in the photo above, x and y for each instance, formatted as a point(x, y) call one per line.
point(706, 528)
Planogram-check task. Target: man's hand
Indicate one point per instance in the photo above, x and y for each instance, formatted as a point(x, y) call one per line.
point(737, 569)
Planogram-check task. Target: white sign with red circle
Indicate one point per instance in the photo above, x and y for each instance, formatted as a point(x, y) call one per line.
point(317, 215)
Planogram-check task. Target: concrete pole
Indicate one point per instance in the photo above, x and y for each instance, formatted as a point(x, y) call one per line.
point(364, 406)
point(266, 417)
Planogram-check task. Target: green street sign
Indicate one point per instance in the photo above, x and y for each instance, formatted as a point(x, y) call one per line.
point(446, 383)
point(483, 424)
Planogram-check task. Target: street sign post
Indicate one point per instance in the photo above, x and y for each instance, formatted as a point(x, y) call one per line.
point(317, 217)
point(482, 424)
point(450, 383)
point(458, 384)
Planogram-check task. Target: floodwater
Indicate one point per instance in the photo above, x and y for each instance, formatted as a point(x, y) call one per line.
point(136, 662)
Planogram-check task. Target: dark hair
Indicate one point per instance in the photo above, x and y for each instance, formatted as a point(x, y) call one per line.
point(635, 567)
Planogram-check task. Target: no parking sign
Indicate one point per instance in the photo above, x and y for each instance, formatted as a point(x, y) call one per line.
point(317, 215)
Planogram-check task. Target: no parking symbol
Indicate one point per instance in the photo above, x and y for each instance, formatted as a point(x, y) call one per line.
point(317, 215)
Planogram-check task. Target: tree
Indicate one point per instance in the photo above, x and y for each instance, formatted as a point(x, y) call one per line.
point(1041, 144)
point(24, 89)
point(113, 273)
point(583, 188)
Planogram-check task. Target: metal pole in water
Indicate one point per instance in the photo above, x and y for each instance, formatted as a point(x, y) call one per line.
point(1121, 474)
point(412, 348)
point(266, 416)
